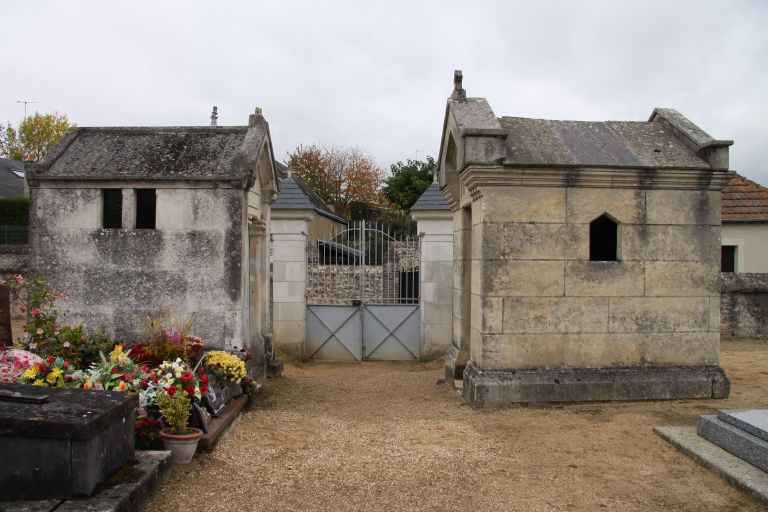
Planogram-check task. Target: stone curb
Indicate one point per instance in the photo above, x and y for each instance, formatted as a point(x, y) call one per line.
point(735, 471)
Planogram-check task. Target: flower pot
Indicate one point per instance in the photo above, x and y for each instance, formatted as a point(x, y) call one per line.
point(181, 446)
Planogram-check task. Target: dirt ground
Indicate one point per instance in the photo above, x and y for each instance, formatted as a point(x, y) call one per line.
point(385, 436)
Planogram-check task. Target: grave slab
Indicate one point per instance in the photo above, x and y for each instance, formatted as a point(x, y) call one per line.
point(740, 474)
point(126, 491)
point(734, 440)
point(754, 421)
point(63, 442)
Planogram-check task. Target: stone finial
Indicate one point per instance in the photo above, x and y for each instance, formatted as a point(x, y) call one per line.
point(215, 116)
point(252, 119)
point(458, 92)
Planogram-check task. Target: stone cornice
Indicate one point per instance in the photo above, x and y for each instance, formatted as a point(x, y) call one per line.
point(432, 215)
point(476, 177)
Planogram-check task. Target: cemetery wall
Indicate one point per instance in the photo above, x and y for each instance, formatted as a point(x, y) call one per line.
point(744, 305)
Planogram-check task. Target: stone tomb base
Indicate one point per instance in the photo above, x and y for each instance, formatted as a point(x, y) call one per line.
point(497, 388)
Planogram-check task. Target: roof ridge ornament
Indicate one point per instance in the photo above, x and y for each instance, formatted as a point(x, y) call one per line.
point(252, 119)
point(459, 94)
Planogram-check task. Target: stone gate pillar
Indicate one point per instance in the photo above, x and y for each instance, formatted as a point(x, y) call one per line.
point(434, 223)
point(289, 281)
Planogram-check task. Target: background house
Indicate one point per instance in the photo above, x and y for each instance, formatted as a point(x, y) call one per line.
point(744, 208)
point(12, 182)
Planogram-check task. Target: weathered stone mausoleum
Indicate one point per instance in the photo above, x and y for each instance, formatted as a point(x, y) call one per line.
point(586, 256)
point(132, 223)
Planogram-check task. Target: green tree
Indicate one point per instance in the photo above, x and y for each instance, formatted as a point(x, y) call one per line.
point(408, 180)
point(35, 137)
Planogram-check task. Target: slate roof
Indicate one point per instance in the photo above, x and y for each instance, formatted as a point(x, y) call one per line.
point(296, 194)
point(431, 199)
point(599, 144)
point(743, 200)
point(11, 185)
point(154, 153)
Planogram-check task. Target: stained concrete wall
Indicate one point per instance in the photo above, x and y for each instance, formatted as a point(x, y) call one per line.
point(537, 301)
point(744, 305)
point(289, 274)
point(436, 282)
point(191, 265)
point(751, 241)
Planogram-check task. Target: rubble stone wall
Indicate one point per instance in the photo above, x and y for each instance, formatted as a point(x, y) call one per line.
point(744, 305)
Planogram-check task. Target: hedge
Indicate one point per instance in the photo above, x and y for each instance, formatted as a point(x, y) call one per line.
point(14, 212)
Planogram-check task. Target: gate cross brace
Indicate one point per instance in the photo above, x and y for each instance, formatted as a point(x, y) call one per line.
point(333, 333)
point(391, 332)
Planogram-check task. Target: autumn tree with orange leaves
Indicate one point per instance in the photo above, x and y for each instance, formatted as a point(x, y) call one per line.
point(340, 177)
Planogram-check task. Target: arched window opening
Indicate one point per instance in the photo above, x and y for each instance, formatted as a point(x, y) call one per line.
point(603, 239)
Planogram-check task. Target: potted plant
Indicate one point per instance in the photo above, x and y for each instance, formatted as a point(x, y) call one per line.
point(180, 439)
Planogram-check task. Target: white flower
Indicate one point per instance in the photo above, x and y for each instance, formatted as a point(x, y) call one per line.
point(66, 344)
point(32, 346)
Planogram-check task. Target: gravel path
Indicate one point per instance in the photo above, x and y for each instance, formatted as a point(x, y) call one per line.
point(385, 436)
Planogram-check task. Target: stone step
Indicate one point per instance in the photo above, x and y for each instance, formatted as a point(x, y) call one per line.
point(754, 421)
point(734, 440)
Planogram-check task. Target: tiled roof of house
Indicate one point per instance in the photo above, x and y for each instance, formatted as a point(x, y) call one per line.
point(296, 194)
point(11, 178)
point(431, 199)
point(743, 200)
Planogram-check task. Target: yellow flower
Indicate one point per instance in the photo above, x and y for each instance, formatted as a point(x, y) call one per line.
point(121, 386)
point(87, 384)
point(54, 375)
point(30, 373)
point(39, 382)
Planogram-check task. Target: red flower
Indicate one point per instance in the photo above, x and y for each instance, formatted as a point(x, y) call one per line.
point(36, 312)
point(171, 390)
point(187, 377)
point(203, 388)
point(190, 390)
point(65, 365)
point(144, 383)
point(51, 359)
point(115, 370)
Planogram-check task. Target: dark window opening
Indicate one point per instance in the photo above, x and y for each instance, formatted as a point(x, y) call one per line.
point(145, 208)
point(728, 258)
point(112, 208)
point(603, 239)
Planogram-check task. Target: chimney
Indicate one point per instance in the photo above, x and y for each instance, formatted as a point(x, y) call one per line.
point(253, 118)
point(215, 116)
point(459, 94)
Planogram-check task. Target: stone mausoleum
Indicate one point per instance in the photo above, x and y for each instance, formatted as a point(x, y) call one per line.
point(586, 256)
point(136, 223)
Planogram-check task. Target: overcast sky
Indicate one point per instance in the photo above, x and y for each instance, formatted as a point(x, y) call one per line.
point(375, 75)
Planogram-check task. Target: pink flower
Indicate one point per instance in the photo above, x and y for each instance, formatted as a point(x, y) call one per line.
point(19, 279)
point(36, 312)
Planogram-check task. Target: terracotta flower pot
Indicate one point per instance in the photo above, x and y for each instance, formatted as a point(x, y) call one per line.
point(181, 446)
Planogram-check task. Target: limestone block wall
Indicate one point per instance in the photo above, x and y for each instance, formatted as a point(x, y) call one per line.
point(436, 284)
point(289, 278)
point(744, 305)
point(190, 266)
point(538, 301)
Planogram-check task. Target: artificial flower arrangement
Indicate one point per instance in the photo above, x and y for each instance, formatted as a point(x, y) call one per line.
point(167, 340)
point(225, 366)
point(43, 334)
point(118, 372)
point(52, 372)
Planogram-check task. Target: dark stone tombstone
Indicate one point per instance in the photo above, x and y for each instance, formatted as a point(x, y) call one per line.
point(58, 443)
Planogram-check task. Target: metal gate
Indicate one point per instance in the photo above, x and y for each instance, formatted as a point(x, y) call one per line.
point(363, 295)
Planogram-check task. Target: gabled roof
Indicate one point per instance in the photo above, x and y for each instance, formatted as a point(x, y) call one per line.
point(296, 194)
point(219, 153)
point(431, 199)
point(11, 178)
point(743, 200)
point(596, 143)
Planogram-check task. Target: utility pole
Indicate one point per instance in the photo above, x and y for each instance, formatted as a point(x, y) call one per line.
point(25, 102)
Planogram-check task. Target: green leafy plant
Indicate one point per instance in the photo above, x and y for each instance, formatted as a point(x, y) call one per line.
point(175, 409)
